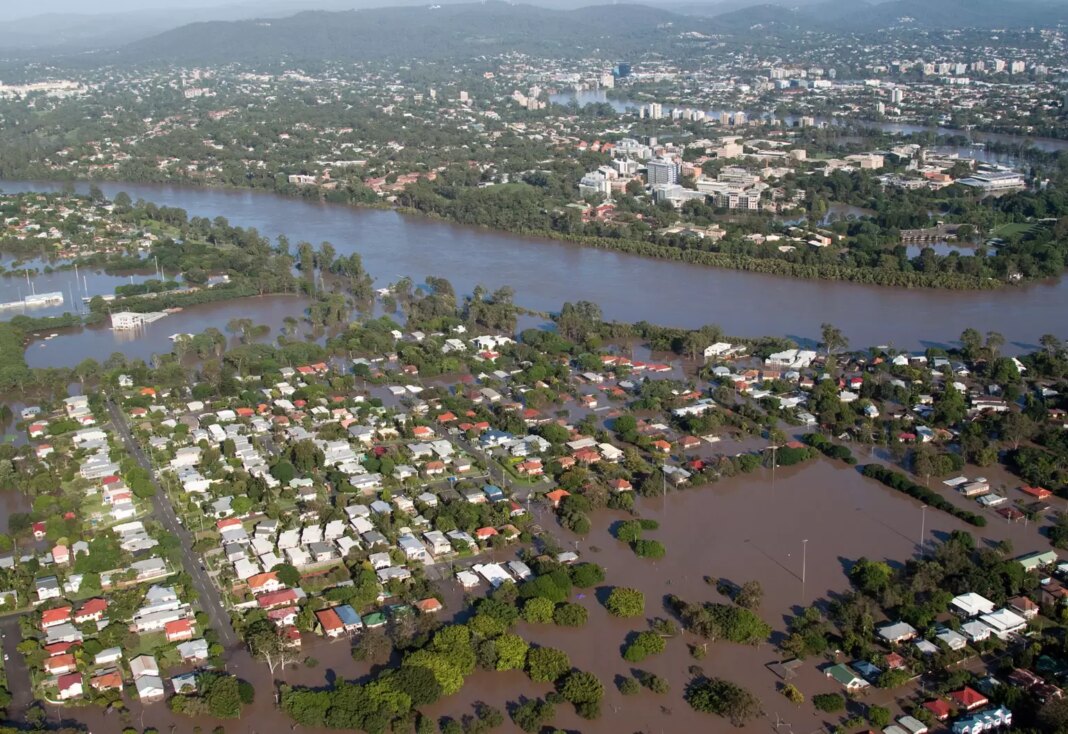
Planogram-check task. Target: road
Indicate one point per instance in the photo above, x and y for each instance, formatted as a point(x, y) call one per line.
point(210, 600)
point(18, 675)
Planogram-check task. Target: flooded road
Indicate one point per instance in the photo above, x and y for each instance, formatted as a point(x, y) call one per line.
point(546, 273)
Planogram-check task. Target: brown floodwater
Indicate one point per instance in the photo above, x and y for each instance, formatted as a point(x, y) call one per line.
point(740, 529)
point(546, 273)
point(99, 342)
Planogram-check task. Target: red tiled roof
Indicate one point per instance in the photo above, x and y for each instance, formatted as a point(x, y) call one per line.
point(968, 698)
point(939, 708)
point(329, 620)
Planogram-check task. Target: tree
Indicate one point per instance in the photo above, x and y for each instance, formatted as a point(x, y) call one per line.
point(445, 672)
point(723, 698)
point(569, 614)
point(538, 610)
point(832, 339)
point(971, 343)
point(287, 574)
point(546, 664)
point(871, 577)
point(584, 691)
point(532, 715)
point(625, 602)
point(1051, 344)
point(267, 645)
point(418, 683)
point(586, 575)
point(949, 408)
point(828, 702)
point(642, 646)
point(511, 652)
point(222, 695)
point(879, 716)
point(1016, 428)
point(994, 343)
point(750, 595)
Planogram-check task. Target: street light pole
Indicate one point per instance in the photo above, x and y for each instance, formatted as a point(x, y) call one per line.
point(804, 568)
point(923, 528)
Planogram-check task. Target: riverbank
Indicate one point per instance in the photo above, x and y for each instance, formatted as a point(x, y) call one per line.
point(548, 272)
point(645, 248)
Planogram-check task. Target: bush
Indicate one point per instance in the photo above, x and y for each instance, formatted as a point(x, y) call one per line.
point(625, 602)
point(570, 615)
point(642, 646)
point(723, 698)
point(830, 449)
point(793, 695)
point(657, 684)
point(898, 481)
point(648, 549)
point(828, 702)
point(629, 531)
point(629, 686)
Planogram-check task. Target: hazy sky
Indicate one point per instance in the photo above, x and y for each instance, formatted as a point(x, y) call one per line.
point(10, 9)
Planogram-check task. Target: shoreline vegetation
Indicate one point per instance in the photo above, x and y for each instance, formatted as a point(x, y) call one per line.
point(775, 266)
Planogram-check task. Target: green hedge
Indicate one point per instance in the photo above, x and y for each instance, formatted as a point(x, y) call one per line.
point(898, 481)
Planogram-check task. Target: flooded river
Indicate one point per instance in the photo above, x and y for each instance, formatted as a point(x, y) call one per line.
point(545, 273)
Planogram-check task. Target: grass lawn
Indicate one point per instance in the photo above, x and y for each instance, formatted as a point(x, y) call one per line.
point(1015, 229)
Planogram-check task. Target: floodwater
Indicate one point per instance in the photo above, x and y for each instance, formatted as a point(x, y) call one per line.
point(746, 528)
point(546, 273)
point(742, 529)
point(99, 342)
point(74, 285)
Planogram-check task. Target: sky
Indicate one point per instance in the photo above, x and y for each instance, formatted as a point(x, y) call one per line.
point(11, 9)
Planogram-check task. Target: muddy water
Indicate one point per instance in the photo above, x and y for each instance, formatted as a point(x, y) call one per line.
point(745, 528)
point(75, 286)
point(99, 342)
point(545, 273)
point(741, 529)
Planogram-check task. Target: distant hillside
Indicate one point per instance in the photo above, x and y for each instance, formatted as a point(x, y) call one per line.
point(417, 32)
point(862, 17)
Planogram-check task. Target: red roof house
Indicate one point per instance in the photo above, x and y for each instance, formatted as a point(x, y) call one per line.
point(968, 698)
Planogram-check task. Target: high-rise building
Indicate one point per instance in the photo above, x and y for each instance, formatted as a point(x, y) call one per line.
point(622, 70)
point(656, 110)
point(662, 171)
point(897, 95)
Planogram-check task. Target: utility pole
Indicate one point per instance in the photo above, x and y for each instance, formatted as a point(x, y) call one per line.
point(923, 528)
point(804, 568)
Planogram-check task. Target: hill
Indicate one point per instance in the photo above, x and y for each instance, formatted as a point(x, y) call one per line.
point(866, 17)
point(417, 32)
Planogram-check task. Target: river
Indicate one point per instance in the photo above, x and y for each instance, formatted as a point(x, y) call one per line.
point(545, 273)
